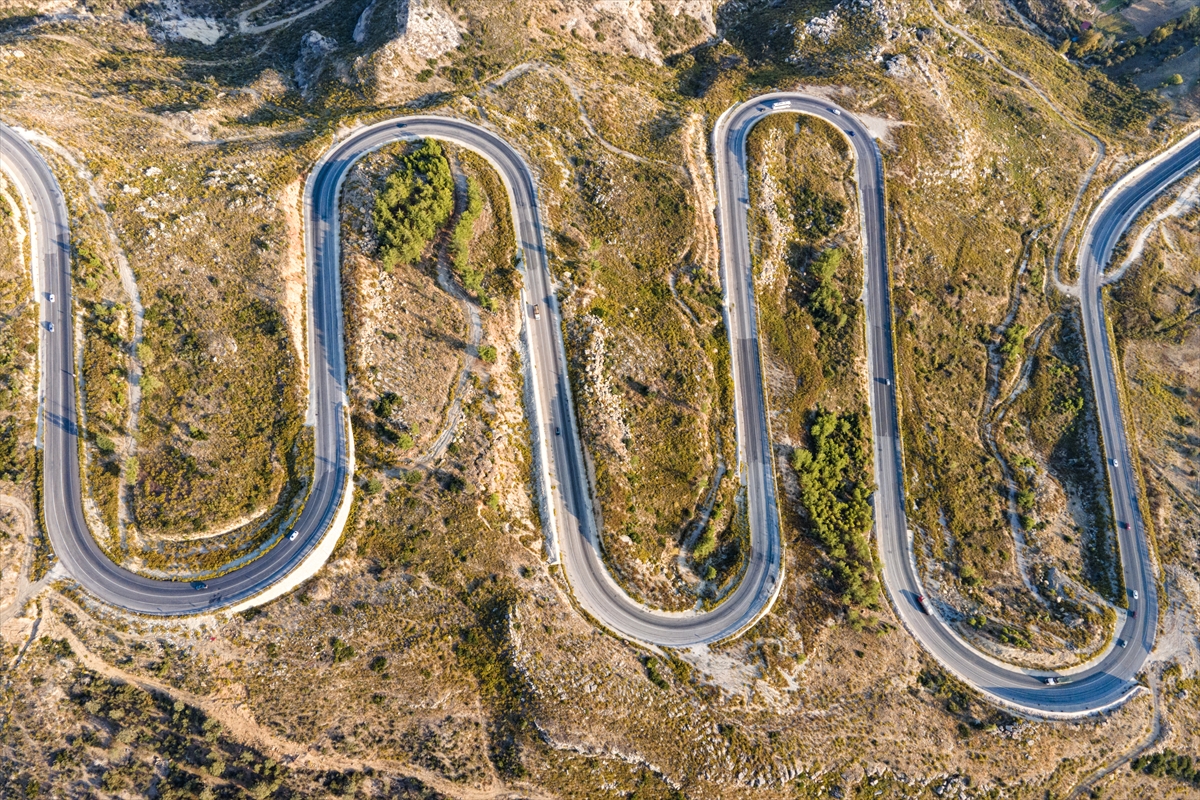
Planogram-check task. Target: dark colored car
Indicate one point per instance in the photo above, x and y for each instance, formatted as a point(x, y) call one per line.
point(198, 585)
point(1121, 643)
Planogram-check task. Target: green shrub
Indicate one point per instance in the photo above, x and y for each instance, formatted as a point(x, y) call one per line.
point(341, 650)
point(1168, 763)
point(487, 354)
point(387, 404)
point(654, 675)
point(416, 200)
point(705, 546)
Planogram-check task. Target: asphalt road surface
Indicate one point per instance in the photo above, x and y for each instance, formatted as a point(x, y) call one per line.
point(1105, 683)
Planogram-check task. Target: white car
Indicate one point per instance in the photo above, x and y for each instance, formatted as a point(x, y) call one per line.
point(292, 536)
point(1135, 594)
point(52, 297)
point(50, 327)
point(1116, 463)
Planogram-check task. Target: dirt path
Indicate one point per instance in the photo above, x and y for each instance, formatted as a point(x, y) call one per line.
point(243, 19)
point(474, 329)
point(1084, 787)
point(237, 719)
point(991, 414)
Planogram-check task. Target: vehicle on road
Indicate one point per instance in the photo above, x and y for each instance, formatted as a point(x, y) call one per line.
point(1124, 525)
point(924, 604)
point(50, 327)
point(836, 111)
point(1050, 681)
point(1116, 463)
point(198, 585)
point(778, 104)
point(557, 431)
point(293, 534)
point(1121, 643)
point(51, 297)
point(537, 312)
point(1135, 594)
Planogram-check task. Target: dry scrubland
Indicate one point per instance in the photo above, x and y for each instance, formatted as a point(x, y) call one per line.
point(807, 256)
point(408, 335)
point(437, 655)
point(200, 220)
point(1005, 486)
point(18, 341)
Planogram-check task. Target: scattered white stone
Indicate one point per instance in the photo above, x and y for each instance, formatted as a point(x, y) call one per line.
point(152, 172)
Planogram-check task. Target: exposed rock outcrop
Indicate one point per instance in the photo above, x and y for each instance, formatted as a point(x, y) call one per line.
point(313, 51)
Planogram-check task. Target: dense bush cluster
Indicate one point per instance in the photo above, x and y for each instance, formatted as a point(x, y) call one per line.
point(817, 214)
point(1168, 764)
point(460, 243)
point(834, 488)
point(1178, 33)
point(1120, 107)
point(415, 202)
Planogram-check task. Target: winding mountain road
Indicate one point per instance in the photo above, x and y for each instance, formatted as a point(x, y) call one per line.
point(566, 499)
